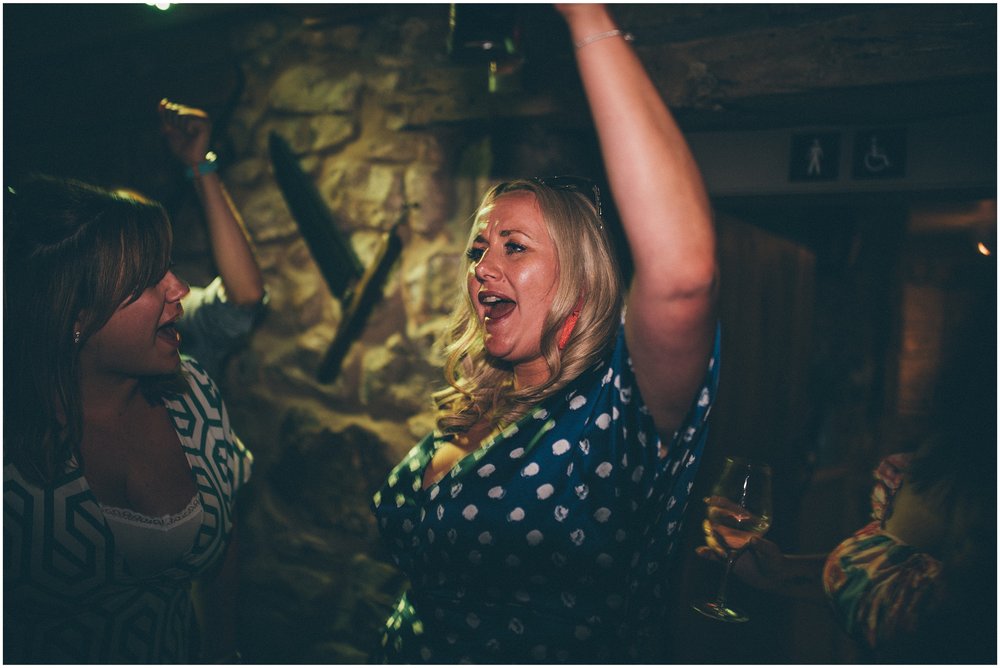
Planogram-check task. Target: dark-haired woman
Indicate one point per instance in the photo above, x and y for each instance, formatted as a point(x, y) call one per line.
point(120, 466)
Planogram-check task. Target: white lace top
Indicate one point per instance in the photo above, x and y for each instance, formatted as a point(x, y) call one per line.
point(152, 544)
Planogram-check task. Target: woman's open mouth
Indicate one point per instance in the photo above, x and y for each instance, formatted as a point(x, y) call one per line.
point(169, 333)
point(497, 307)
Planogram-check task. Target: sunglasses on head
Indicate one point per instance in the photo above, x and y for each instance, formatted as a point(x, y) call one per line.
point(576, 184)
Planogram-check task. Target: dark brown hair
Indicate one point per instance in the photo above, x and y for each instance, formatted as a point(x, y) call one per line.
point(73, 253)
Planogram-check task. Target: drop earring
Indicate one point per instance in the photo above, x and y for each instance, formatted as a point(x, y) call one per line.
point(76, 337)
point(570, 324)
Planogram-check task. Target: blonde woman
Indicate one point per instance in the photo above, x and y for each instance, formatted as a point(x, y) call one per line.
point(538, 522)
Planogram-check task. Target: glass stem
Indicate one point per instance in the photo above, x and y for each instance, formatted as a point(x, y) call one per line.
point(720, 598)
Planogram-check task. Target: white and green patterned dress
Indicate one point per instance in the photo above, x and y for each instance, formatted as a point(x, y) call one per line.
point(69, 594)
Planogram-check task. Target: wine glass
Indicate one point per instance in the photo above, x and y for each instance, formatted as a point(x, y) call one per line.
point(739, 508)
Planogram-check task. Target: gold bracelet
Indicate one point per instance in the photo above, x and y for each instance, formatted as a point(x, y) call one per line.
point(627, 36)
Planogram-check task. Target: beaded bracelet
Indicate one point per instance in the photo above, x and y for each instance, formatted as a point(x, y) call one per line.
point(206, 166)
point(627, 36)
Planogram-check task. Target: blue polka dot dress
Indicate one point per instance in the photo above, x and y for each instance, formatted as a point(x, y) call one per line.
point(550, 542)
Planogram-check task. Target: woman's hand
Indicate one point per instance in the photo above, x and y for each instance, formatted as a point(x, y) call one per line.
point(761, 564)
point(187, 131)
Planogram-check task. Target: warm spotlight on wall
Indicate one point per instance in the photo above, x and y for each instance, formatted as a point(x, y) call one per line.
point(983, 249)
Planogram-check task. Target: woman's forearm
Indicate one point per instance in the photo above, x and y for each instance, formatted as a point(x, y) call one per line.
point(231, 248)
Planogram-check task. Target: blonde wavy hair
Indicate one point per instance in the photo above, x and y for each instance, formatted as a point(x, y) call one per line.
point(481, 386)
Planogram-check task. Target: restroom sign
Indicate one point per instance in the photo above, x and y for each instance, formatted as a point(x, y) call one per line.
point(815, 156)
point(880, 153)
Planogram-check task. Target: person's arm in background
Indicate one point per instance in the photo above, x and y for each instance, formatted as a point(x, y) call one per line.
point(664, 211)
point(188, 131)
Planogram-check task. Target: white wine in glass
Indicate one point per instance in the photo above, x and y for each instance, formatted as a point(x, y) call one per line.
point(739, 508)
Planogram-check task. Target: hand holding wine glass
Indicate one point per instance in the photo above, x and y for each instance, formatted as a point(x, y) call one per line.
point(739, 508)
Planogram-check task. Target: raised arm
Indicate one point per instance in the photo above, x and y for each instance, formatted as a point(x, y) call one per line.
point(188, 131)
point(665, 214)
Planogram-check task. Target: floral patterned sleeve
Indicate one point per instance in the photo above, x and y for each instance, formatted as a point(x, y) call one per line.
point(879, 586)
point(888, 479)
